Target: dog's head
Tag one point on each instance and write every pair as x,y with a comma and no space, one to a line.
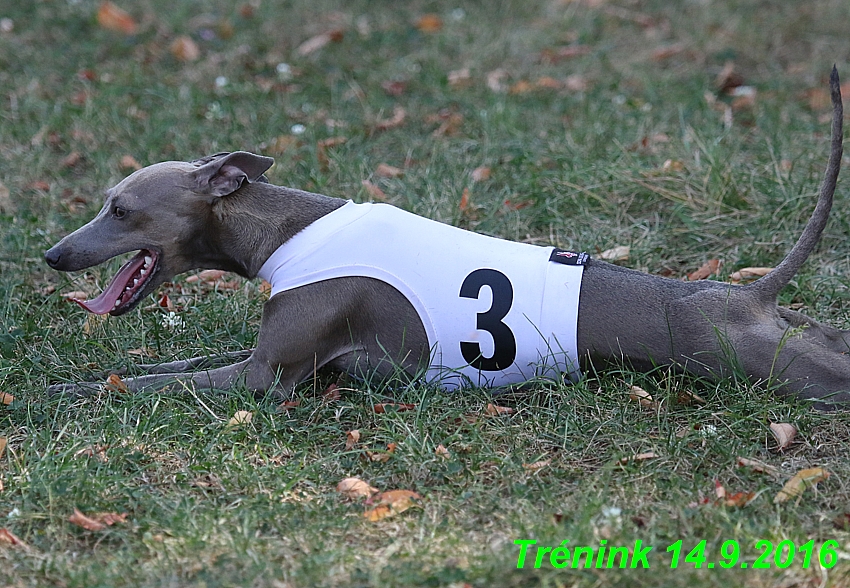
164,213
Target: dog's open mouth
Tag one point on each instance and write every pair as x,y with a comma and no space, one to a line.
126,287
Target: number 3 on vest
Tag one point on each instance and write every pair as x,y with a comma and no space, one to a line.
504,342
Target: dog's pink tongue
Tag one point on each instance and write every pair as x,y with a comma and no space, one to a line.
107,299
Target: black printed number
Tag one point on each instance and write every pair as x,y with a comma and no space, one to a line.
490,321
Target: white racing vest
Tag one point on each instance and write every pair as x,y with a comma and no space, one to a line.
495,312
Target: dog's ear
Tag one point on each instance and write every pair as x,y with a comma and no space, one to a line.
223,174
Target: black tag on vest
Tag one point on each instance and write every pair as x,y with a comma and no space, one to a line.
569,257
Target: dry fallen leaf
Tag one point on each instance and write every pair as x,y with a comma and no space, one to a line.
533,467
71,160
288,405
394,87
397,406
6,204
749,273
390,503
799,482
759,466
396,120
382,456
784,433
450,126
324,145
739,499
9,538
2,445
112,18
75,294
96,521
639,457
464,201
709,268
819,98
481,174
441,451
521,87
429,23
385,170
547,83
374,191
619,253
355,488
114,383
183,48
576,83
548,56
313,44
459,77
667,51
331,393
643,397
6,398
129,162
240,417
282,143
495,410
719,490
496,80
351,439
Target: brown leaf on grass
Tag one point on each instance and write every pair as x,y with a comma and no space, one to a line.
374,191
537,465
288,405
496,410
673,165
709,268
129,162
642,397
385,170
728,78
429,23
351,439
331,393
549,56
6,398
719,490
459,78
799,482
324,145
784,433
441,451
96,521
10,539
355,488
317,42
396,406
576,83
521,87
381,456
165,302
394,87
240,417
739,499
481,174
749,273
518,205
547,83
743,97
758,466
282,143
396,120
96,451
819,99
687,397
6,204
390,503
450,125
75,294
183,48
667,51
112,18
619,253
464,201
71,160
114,383
639,457
2,445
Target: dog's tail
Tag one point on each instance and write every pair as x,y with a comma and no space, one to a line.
767,288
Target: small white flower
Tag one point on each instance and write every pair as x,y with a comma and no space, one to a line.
457,14
708,431
172,320
284,71
298,129
220,82
14,513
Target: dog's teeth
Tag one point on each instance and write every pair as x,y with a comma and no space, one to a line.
135,283
144,271
117,302
148,260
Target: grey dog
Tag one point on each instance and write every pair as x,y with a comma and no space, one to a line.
220,212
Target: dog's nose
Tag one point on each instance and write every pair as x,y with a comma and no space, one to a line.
52,256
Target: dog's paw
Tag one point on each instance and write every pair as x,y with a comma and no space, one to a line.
70,389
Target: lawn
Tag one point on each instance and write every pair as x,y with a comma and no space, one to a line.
686,131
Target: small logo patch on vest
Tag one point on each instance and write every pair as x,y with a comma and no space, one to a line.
569,257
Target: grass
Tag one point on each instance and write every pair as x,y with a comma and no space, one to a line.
212,505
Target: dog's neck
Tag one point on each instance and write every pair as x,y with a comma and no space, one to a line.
256,219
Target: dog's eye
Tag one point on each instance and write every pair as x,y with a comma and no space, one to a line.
119,212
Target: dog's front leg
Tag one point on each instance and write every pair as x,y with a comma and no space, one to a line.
257,377
195,363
